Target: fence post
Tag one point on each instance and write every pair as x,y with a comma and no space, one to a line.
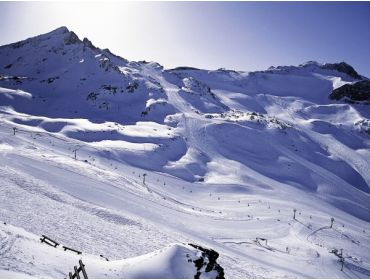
144,175
83,269
76,272
332,221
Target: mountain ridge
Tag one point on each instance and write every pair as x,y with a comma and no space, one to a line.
72,38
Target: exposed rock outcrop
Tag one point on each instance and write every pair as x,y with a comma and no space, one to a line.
207,262
71,38
344,68
352,93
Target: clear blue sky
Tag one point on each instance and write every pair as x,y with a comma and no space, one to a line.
235,35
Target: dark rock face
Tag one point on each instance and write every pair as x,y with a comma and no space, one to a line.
357,92
87,43
344,68
208,262
71,38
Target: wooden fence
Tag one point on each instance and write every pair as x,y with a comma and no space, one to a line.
78,270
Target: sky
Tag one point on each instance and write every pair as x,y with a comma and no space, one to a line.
234,35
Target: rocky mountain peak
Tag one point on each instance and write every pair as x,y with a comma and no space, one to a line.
71,38
311,63
59,30
344,68
88,43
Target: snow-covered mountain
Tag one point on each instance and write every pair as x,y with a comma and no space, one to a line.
121,159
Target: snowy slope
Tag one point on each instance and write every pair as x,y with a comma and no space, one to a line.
227,155
38,260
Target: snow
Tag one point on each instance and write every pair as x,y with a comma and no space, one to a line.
5,147
227,156
11,93
168,262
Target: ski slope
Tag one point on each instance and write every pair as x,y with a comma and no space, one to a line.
133,162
